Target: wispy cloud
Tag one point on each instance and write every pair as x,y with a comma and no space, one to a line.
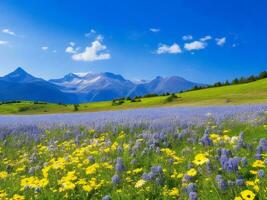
220,41
196,45
169,49
3,42
72,44
187,37
70,49
44,48
206,38
154,30
9,32
91,32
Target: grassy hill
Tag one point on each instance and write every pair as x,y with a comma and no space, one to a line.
249,93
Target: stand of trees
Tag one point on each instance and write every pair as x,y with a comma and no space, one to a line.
236,81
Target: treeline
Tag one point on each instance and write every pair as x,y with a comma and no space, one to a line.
9,102
236,81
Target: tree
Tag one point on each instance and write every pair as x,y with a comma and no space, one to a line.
76,107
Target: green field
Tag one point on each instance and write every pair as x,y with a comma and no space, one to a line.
249,93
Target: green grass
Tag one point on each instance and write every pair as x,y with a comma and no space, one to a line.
250,93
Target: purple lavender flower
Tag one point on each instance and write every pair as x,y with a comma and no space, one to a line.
218,178
261,173
240,181
259,149
156,169
244,162
107,197
193,196
186,178
232,164
258,156
119,165
148,176
222,185
115,179
205,140
208,166
192,187
224,162
263,144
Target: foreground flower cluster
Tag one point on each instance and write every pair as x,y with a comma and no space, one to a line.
213,161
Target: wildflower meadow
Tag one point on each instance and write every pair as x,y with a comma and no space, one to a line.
164,153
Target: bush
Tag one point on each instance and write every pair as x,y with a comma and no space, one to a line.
24,109
136,100
171,98
150,95
76,107
117,102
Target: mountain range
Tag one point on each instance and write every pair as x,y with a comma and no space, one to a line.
84,87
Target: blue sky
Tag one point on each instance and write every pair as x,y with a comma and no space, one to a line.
203,41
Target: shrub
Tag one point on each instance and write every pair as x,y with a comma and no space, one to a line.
76,107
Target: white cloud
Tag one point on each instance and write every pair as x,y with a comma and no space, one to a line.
154,30
187,37
92,53
70,50
2,42
172,49
196,45
72,44
91,32
220,41
7,31
44,48
206,38
99,38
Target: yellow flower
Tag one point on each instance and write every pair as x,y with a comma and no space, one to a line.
250,183
215,137
92,169
180,175
81,182
192,172
33,182
253,172
140,183
174,192
3,175
258,164
3,194
256,188
238,198
87,188
137,170
247,195
20,169
200,159
67,186
18,197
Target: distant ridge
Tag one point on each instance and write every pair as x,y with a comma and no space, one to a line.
85,87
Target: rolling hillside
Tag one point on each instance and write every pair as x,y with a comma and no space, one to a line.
250,93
